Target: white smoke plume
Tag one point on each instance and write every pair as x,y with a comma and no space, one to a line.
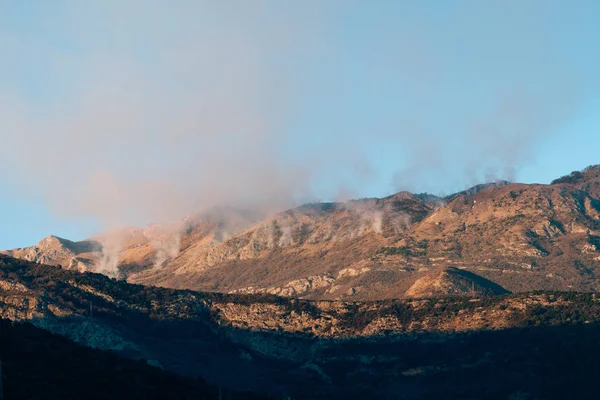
112,244
166,249
286,238
368,216
400,222
228,221
165,239
369,221
134,140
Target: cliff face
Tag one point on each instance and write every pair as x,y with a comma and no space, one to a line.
37,364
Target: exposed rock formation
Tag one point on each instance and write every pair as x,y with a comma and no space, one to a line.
52,250
453,281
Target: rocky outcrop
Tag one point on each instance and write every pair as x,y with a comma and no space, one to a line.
52,250
295,288
452,282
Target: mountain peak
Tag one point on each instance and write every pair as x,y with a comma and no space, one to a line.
404,195
590,173
482,186
53,241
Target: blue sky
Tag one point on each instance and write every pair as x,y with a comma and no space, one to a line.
116,113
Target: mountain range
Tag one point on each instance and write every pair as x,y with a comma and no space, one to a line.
486,293
520,237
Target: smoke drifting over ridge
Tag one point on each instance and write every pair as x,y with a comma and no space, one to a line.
144,113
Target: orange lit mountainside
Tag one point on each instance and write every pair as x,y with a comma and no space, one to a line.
489,239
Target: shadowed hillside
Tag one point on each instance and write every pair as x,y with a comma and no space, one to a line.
421,348
39,365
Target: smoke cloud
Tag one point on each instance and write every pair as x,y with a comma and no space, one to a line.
166,242
111,246
138,112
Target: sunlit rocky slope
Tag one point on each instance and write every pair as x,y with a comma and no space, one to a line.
520,237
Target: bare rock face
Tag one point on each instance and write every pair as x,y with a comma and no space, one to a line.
453,281
295,288
53,250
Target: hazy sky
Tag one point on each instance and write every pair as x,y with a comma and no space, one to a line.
138,111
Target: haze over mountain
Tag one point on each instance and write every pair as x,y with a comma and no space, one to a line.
520,237
119,114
